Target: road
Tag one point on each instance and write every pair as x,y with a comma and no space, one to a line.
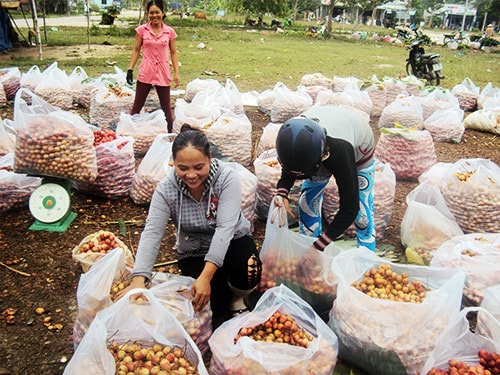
77,20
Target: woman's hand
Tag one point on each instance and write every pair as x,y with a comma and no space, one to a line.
280,203
200,291
176,80
137,282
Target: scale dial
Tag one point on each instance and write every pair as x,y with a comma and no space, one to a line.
49,203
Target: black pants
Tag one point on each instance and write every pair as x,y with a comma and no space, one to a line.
141,93
242,268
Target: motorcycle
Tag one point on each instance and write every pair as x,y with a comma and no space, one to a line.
424,65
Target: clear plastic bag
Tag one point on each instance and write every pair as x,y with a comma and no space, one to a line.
409,152
460,342
405,111
152,169
384,336
132,322
175,295
116,170
52,142
467,94
480,179
96,289
143,127
491,300
289,258
268,172
96,245
427,221
15,188
267,140
7,137
275,358
248,191
446,125
478,255
231,133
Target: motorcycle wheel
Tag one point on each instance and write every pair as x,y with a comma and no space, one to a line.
409,70
433,79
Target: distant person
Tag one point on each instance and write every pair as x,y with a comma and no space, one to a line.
490,31
329,141
157,41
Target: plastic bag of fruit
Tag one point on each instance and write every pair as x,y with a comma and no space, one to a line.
131,332
470,342
410,152
478,256
143,127
175,295
52,142
152,169
116,168
480,179
15,188
248,191
289,258
427,222
299,341
387,316
97,288
491,300
7,137
94,246
268,172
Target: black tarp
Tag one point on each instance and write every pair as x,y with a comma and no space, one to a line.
6,31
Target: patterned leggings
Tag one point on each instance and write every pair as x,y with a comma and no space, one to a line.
311,198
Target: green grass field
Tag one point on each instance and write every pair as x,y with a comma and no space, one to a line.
258,59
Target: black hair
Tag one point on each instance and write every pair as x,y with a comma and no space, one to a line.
158,3
189,136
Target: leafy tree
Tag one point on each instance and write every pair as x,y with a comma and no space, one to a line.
488,11
278,8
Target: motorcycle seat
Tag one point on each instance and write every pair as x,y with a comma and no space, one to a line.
429,55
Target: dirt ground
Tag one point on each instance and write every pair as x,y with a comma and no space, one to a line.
59,53
37,270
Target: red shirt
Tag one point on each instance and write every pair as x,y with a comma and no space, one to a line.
155,65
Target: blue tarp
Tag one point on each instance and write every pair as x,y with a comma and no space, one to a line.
5,26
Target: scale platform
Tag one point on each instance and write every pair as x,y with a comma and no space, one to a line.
50,205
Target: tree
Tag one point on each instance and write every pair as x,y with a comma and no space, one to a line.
431,7
488,11
278,8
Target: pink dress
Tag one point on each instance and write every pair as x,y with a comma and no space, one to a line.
155,65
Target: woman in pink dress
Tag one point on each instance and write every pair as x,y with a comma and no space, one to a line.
157,41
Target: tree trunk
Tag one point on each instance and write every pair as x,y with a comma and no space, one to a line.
330,16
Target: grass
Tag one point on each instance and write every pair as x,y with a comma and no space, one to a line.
257,60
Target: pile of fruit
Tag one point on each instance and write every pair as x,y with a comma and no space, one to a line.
96,245
103,243
384,283
281,328
103,136
489,364
158,359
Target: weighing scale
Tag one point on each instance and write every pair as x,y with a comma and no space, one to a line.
50,205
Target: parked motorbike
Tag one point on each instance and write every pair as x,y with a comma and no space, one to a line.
405,34
424,65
